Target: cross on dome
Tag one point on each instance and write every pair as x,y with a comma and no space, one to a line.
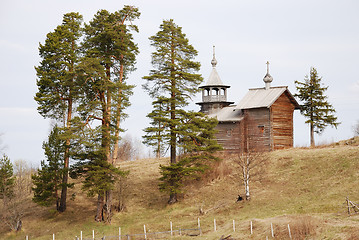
214,61
267,78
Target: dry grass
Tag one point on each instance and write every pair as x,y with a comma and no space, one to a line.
303,187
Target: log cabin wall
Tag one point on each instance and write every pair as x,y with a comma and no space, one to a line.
229,136
282,122
257,129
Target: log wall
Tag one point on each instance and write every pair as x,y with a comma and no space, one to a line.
257,129
282,123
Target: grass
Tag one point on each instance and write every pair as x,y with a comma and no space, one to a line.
303,187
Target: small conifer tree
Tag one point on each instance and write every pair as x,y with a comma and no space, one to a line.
318,111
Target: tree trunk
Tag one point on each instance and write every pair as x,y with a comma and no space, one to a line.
173,198
312,143
99,213
108,206
65,176
118,118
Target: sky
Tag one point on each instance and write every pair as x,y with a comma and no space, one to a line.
292,35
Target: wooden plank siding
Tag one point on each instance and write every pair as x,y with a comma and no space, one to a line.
282,122
257,124
229,136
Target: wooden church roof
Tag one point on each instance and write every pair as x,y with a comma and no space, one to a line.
264,98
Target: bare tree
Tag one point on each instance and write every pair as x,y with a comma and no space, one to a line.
121,192
129,149
14,210
252,168
356,129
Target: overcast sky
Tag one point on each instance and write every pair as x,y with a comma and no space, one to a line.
291,35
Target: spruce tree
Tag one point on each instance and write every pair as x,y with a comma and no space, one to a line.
109,57
197,143
48,180
7,180
155,134
318,111
172,83
57,87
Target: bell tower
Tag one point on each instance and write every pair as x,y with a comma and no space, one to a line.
214,92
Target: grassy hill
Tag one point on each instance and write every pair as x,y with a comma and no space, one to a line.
303,187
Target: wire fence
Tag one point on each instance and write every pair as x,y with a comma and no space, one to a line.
149,235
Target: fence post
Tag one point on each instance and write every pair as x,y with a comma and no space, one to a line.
53,236
199,227
251,228
27,237
144,229
234,226
171,228
290,235
81,235
119,233
93,234
271,229
215,226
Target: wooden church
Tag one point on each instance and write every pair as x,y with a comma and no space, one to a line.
261,121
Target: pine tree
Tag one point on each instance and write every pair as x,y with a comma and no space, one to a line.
172,83
109,58
318,111
48,180
7,180
57,87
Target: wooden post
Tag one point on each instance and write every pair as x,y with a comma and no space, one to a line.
234,226
251,228
199,227
290,235
119,233
215,226
81,235
171,228
93,234
347,199
144,229
53,236
271,229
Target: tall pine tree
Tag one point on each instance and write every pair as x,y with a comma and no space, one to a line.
57,88
172,83
318,111
109,57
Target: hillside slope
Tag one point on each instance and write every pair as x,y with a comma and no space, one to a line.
303,187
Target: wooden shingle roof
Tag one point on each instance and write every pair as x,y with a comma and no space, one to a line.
264,98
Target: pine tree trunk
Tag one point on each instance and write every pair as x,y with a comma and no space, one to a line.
65,176
312,143
118,118
99,212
